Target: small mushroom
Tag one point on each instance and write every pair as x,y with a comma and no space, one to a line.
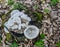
31,32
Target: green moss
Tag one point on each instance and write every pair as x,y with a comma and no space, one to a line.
4,17
46,10
10,2
42,36
38,15
54,2
19,6
35,7
14,44
8,36
58,44
39,43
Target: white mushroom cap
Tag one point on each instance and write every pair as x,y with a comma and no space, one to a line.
31,32
15,21
14,12
6,30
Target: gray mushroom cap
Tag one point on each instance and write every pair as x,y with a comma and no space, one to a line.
17,21
31,32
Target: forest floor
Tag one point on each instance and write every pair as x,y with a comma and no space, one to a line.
48,23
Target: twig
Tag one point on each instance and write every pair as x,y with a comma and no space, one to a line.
3,39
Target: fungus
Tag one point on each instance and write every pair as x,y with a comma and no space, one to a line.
16,21
31,32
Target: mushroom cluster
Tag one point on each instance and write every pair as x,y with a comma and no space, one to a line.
19,21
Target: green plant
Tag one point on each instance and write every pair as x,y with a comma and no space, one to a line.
14,44
38,15
54,2
58,44
19,6
10,2
35,7
42,36
8,36
58,0
39,43
46,10
4,18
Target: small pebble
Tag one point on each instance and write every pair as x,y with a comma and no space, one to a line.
47,1
58,18
0,6
58,5
59,14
